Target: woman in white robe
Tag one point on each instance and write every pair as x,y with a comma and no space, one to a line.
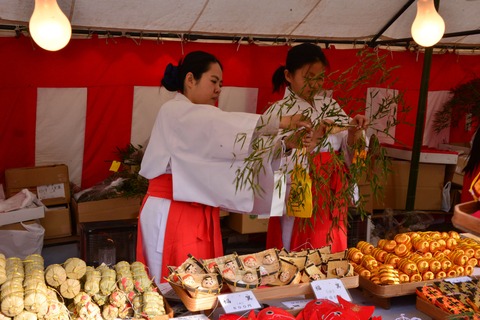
303,77
191,161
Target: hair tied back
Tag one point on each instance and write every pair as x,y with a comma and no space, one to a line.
170,78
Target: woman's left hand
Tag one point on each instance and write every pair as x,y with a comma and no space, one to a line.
360,122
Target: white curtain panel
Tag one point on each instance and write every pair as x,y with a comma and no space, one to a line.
376,97
146,103
60,128
238,99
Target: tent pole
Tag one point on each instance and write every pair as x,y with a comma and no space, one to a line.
419,127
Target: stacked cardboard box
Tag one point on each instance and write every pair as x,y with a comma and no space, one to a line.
51,184
245,223
428,195
455,171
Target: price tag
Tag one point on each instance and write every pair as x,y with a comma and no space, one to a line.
330,289
458,279
51,191
238,301
194,317
297,304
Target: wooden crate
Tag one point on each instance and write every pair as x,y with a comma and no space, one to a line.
265,293
431,310
462,217
392,290
382,294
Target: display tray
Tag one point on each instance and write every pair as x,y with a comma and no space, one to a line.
264,293
392,290
431,310
462,217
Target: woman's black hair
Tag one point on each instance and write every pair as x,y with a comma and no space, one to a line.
196,62
474,157
297,57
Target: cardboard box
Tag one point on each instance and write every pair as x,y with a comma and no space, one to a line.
107,210
51,184
458,174
21,215
57,222
428,195
366,192
245,223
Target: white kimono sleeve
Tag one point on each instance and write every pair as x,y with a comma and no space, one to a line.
206,147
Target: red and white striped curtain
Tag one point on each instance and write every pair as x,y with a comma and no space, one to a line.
78,105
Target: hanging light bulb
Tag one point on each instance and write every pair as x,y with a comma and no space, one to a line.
428,26
49,27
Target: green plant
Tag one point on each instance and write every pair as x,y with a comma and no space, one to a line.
133,184
465,99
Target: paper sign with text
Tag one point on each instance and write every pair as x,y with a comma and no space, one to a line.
238,301
51,191
330,289
296,304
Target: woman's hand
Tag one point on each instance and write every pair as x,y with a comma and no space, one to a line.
318,132
360,123
299,139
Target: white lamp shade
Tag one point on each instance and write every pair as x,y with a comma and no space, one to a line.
49,27
428,27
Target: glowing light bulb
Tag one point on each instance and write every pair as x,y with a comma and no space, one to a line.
49,26
428,26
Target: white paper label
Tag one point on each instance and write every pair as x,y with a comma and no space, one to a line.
330,289
458,279
51,191
296,304
238,301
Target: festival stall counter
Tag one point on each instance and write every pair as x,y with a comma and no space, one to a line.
270,275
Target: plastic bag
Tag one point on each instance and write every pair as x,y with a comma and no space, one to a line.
446,204
21,243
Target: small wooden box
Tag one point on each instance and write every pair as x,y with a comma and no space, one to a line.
107,209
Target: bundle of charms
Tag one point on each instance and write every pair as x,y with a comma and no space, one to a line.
271,267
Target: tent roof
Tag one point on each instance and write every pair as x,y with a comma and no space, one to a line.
371,22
